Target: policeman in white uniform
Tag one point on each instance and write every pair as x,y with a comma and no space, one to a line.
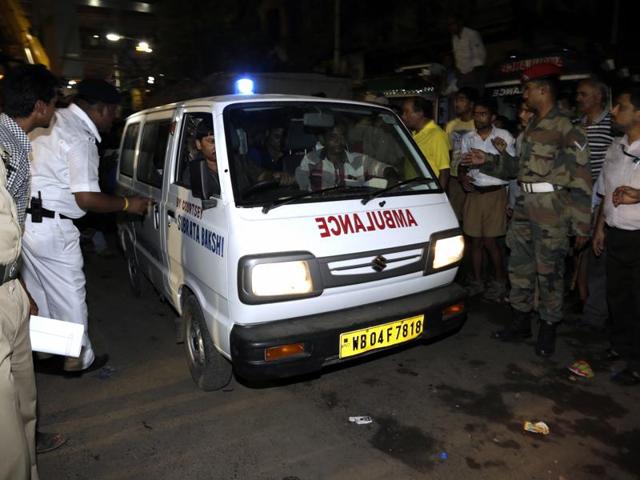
64,187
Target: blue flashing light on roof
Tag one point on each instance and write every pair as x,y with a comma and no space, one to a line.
244,86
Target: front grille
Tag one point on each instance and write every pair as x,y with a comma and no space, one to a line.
362,267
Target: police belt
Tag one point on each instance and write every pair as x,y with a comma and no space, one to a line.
539,187
10,271
49,214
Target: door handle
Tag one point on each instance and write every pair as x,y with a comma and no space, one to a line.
156,216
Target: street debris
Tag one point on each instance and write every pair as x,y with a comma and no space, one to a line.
538,427
362,420
443,456
581,368
106,372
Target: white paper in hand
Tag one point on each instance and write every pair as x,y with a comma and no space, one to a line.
55,336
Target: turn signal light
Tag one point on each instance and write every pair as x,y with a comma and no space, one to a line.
283,351
454,309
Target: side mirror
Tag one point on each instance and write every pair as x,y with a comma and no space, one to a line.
200,187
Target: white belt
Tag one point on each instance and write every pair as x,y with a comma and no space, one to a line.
539,187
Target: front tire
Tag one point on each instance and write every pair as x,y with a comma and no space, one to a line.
133,272
209,369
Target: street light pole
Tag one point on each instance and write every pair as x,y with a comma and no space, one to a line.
116,71
141,46
336,36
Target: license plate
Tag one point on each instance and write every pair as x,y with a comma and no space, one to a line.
380,336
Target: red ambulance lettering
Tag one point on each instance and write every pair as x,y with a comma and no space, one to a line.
345,223
388,217
358,223
348,223
336,229
322,226
371,225
398,216
410,220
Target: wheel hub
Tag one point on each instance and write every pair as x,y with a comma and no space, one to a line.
196,343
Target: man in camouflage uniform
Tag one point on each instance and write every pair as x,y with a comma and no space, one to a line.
555,202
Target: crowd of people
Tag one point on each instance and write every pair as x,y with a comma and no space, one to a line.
527,200
547,207
554,208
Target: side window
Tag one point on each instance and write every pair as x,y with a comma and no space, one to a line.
188,150
153,147
129,149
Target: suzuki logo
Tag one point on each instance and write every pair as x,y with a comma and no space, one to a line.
379,263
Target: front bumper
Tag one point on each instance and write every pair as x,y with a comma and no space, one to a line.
321,333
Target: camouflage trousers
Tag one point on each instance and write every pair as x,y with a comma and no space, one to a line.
539,242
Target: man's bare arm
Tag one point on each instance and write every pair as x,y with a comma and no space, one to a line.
103,203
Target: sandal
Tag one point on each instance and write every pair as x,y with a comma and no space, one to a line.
46,442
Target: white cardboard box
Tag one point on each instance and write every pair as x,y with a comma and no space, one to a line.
55,336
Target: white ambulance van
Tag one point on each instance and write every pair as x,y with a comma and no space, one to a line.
289,233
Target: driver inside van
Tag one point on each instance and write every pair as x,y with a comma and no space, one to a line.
334,165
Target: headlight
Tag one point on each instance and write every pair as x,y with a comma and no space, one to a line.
445,250
448,251
275,278
284,278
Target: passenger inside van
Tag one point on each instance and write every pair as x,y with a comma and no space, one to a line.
373,137
269,155
298,142
206,151
334,165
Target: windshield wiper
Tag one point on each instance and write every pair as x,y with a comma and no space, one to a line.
404,183
316,193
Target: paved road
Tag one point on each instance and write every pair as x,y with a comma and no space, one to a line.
465,395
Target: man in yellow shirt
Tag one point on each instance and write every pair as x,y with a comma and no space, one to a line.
417,115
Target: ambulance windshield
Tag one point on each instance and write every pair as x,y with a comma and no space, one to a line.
280,151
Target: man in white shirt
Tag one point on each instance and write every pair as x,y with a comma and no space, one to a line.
64,186
333,165
469,54
484,216
619,224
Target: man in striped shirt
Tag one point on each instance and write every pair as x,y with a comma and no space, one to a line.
591,97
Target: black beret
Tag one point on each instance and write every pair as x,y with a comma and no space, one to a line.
96,90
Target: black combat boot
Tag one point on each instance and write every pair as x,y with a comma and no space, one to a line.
546,343
518,330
